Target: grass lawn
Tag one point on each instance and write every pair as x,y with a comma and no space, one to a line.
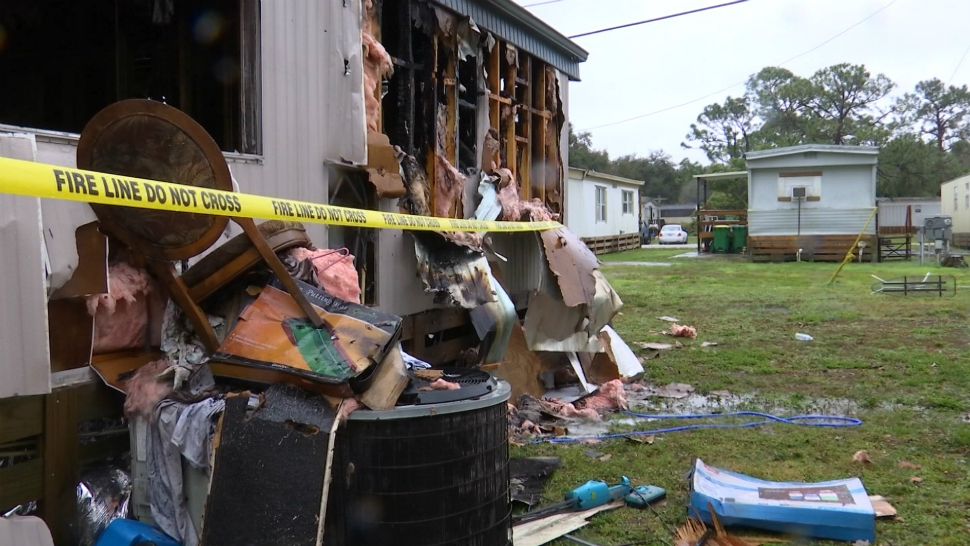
649,254
901,365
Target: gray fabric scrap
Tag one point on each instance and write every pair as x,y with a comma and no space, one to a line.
178,430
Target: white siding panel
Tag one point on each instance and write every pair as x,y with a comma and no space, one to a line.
813,222
312,107
893,213
959,210
25,368
526,267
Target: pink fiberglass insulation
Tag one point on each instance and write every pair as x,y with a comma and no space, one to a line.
567,409
377,65
610,396
514,209
448,186
468,239
146,389
682,330
348,406
335,271
121,316
443,385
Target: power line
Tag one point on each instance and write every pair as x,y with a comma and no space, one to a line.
958,65
655,112
540,3
627,25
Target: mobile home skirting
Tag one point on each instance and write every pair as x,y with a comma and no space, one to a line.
814,221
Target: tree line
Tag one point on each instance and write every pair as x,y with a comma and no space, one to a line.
923,135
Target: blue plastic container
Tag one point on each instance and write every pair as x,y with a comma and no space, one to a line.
129,532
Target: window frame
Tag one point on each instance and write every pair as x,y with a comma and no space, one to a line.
628,207
599,206
241,127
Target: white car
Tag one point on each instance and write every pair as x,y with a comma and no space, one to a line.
672,234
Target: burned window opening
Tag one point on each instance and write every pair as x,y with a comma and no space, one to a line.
468,92
433,108
195,56
350,188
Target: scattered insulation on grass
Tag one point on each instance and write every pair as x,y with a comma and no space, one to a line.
610,396
682,330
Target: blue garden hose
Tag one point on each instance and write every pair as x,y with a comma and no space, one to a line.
832,421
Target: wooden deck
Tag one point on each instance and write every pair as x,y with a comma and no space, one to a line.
815,248
613,243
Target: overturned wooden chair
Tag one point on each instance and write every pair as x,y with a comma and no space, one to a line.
149,139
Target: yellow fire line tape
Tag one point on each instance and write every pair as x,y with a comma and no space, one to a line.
31,179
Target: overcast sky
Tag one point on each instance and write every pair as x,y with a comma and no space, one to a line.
643,69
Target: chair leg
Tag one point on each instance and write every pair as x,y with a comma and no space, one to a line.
274,263
180,293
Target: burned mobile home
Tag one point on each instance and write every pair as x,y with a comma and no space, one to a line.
310,99
130,330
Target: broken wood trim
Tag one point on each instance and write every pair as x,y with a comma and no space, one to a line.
544,115
499,98
511,157
250,88
523,121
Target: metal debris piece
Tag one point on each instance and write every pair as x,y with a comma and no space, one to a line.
573,264
455,274
493,322
917,286
653,346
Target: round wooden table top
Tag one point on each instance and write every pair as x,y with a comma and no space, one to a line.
149,139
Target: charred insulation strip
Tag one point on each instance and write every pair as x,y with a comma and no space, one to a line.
455,274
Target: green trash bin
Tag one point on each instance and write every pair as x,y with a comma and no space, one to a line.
722,239
739,238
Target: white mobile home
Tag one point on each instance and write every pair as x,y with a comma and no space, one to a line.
899,215
602,205
814,198
955,203
372,105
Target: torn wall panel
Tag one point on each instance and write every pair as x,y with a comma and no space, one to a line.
383,168
455,274
551,325
573,264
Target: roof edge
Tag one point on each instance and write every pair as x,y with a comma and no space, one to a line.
529,19
829,148
588,174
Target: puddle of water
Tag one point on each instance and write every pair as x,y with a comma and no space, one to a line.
648,264
643,399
